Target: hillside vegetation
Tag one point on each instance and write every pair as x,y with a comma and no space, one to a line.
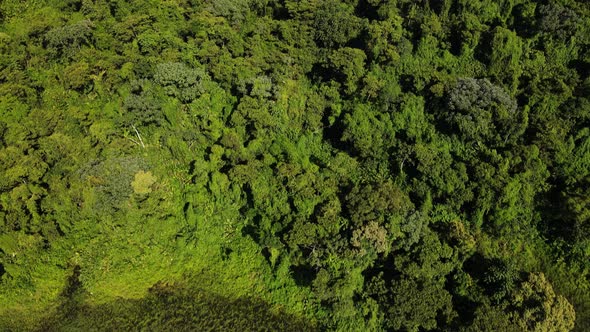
295,165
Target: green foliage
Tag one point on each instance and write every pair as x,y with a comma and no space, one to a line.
110,182
557,20
335,24
142,106
540,309
69,38
233,11
173,307
411,305
180,81
483,112
295,165
350,63
142,182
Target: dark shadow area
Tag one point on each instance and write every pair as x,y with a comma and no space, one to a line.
581,67
192,166
461,303
407,84
303,275
476,265
175,308
557,219
252,232
267,255
359,42
186,208
483,49
333,135
523,25
456,41
71,6
496,276
384,268
437,6
280,13
366,10
321,73
226,253
73,284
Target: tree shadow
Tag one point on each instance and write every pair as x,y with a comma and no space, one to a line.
169,307
303,275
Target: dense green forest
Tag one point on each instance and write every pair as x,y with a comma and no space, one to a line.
295,165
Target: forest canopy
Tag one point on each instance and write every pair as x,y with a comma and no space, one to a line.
295,165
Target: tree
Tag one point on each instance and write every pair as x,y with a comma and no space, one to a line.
483,112
379,202
410,305
504,60
557,20
335,24
350,64
143,182
368,131
68,39
366,165
142,106
538,308
180,81
233,10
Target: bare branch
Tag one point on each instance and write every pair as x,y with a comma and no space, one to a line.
138,136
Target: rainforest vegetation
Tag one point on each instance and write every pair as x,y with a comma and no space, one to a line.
295,165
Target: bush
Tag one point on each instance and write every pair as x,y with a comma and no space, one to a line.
483,112
142,106
335,24
69,38
180,81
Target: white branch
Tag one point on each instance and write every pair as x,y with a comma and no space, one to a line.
138,136
132,140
